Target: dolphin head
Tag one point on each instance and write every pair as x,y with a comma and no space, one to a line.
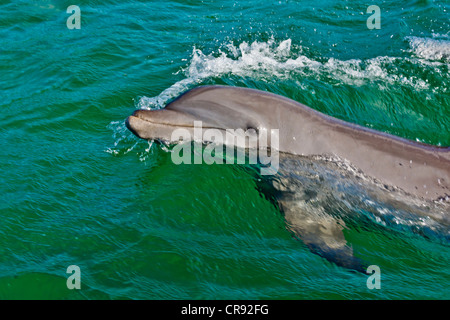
219,110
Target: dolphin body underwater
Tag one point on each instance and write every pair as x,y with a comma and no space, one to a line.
368,164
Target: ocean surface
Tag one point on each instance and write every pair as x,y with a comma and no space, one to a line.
77,188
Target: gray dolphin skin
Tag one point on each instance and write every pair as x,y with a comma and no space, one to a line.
417,169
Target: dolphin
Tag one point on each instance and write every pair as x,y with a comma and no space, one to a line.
413,168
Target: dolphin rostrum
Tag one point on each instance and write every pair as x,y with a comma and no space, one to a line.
417,169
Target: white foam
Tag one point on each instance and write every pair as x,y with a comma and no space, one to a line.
283,60
158,102
436,48
255,60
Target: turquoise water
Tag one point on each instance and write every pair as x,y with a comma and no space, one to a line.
79,189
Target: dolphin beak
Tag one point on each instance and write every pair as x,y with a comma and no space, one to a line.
147,124
158,124
130,123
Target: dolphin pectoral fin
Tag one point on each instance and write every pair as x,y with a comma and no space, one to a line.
321,233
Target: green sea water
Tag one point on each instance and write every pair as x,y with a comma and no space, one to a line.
77,188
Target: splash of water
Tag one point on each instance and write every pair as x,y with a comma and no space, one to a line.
286,61
436,48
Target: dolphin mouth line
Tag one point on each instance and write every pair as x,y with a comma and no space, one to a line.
173,125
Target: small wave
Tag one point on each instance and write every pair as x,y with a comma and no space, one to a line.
159,102
286,61
436,48
243,60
